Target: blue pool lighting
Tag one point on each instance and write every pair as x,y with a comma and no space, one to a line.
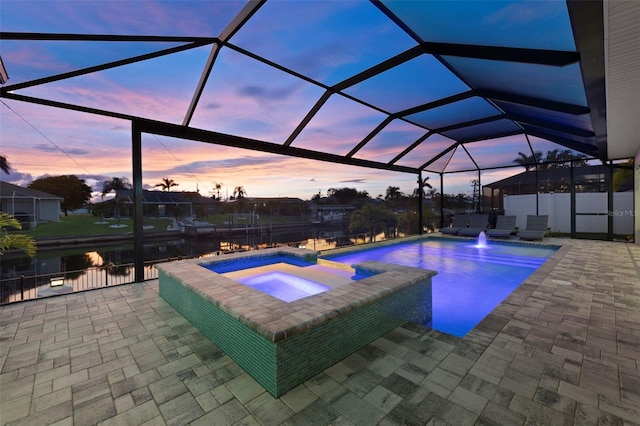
271,275
255,262
471,280
283,286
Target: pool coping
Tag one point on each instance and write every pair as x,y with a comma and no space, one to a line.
275,319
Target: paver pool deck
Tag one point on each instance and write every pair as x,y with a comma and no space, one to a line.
563,348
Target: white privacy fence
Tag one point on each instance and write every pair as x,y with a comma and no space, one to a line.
558,207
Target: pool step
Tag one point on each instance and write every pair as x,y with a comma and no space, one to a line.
484,255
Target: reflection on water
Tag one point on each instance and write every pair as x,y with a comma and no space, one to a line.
108,264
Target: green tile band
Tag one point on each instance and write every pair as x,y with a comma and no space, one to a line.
281,366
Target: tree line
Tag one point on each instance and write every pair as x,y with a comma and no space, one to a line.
554,159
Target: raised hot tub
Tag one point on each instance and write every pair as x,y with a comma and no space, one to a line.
282,344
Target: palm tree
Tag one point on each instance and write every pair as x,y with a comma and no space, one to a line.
425,185
115,184
118,205
528,161
99,210
166,184
371,218
14,241
553,156
239,192
218,186
567,156
393,193
4,164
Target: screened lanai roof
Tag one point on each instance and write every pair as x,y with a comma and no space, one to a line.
434,86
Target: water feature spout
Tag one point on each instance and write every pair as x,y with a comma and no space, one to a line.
482,240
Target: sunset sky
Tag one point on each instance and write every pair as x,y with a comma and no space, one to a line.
248,99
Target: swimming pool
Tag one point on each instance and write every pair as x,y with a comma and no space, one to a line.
471,281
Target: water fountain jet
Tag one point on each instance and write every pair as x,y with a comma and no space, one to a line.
482,240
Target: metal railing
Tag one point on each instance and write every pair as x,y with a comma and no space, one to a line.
29,287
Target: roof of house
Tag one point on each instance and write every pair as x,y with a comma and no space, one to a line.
273,199
9,190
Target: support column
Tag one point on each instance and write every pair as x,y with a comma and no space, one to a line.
537,192
573,202
479,209
610,206
420,203
138,229
441,201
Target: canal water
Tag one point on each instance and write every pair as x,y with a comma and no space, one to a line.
100,265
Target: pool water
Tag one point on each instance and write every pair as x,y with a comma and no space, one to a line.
254,262
471,280
286,287
287,278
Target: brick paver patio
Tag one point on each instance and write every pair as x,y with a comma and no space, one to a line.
563,349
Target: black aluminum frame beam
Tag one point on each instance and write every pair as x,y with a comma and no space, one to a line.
557,58
337,88
438,103
532,101
439,156
370,136
493,136
243,16
138,217
587,21
307,118
470,157
411,147
64,105
199,135
399,59
476,122
35,36
583,133
510,166
106,66
589,150
510,54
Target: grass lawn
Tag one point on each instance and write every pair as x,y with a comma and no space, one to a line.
81,225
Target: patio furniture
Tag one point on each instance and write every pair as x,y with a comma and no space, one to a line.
459,222
478,224
505,226
536,229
